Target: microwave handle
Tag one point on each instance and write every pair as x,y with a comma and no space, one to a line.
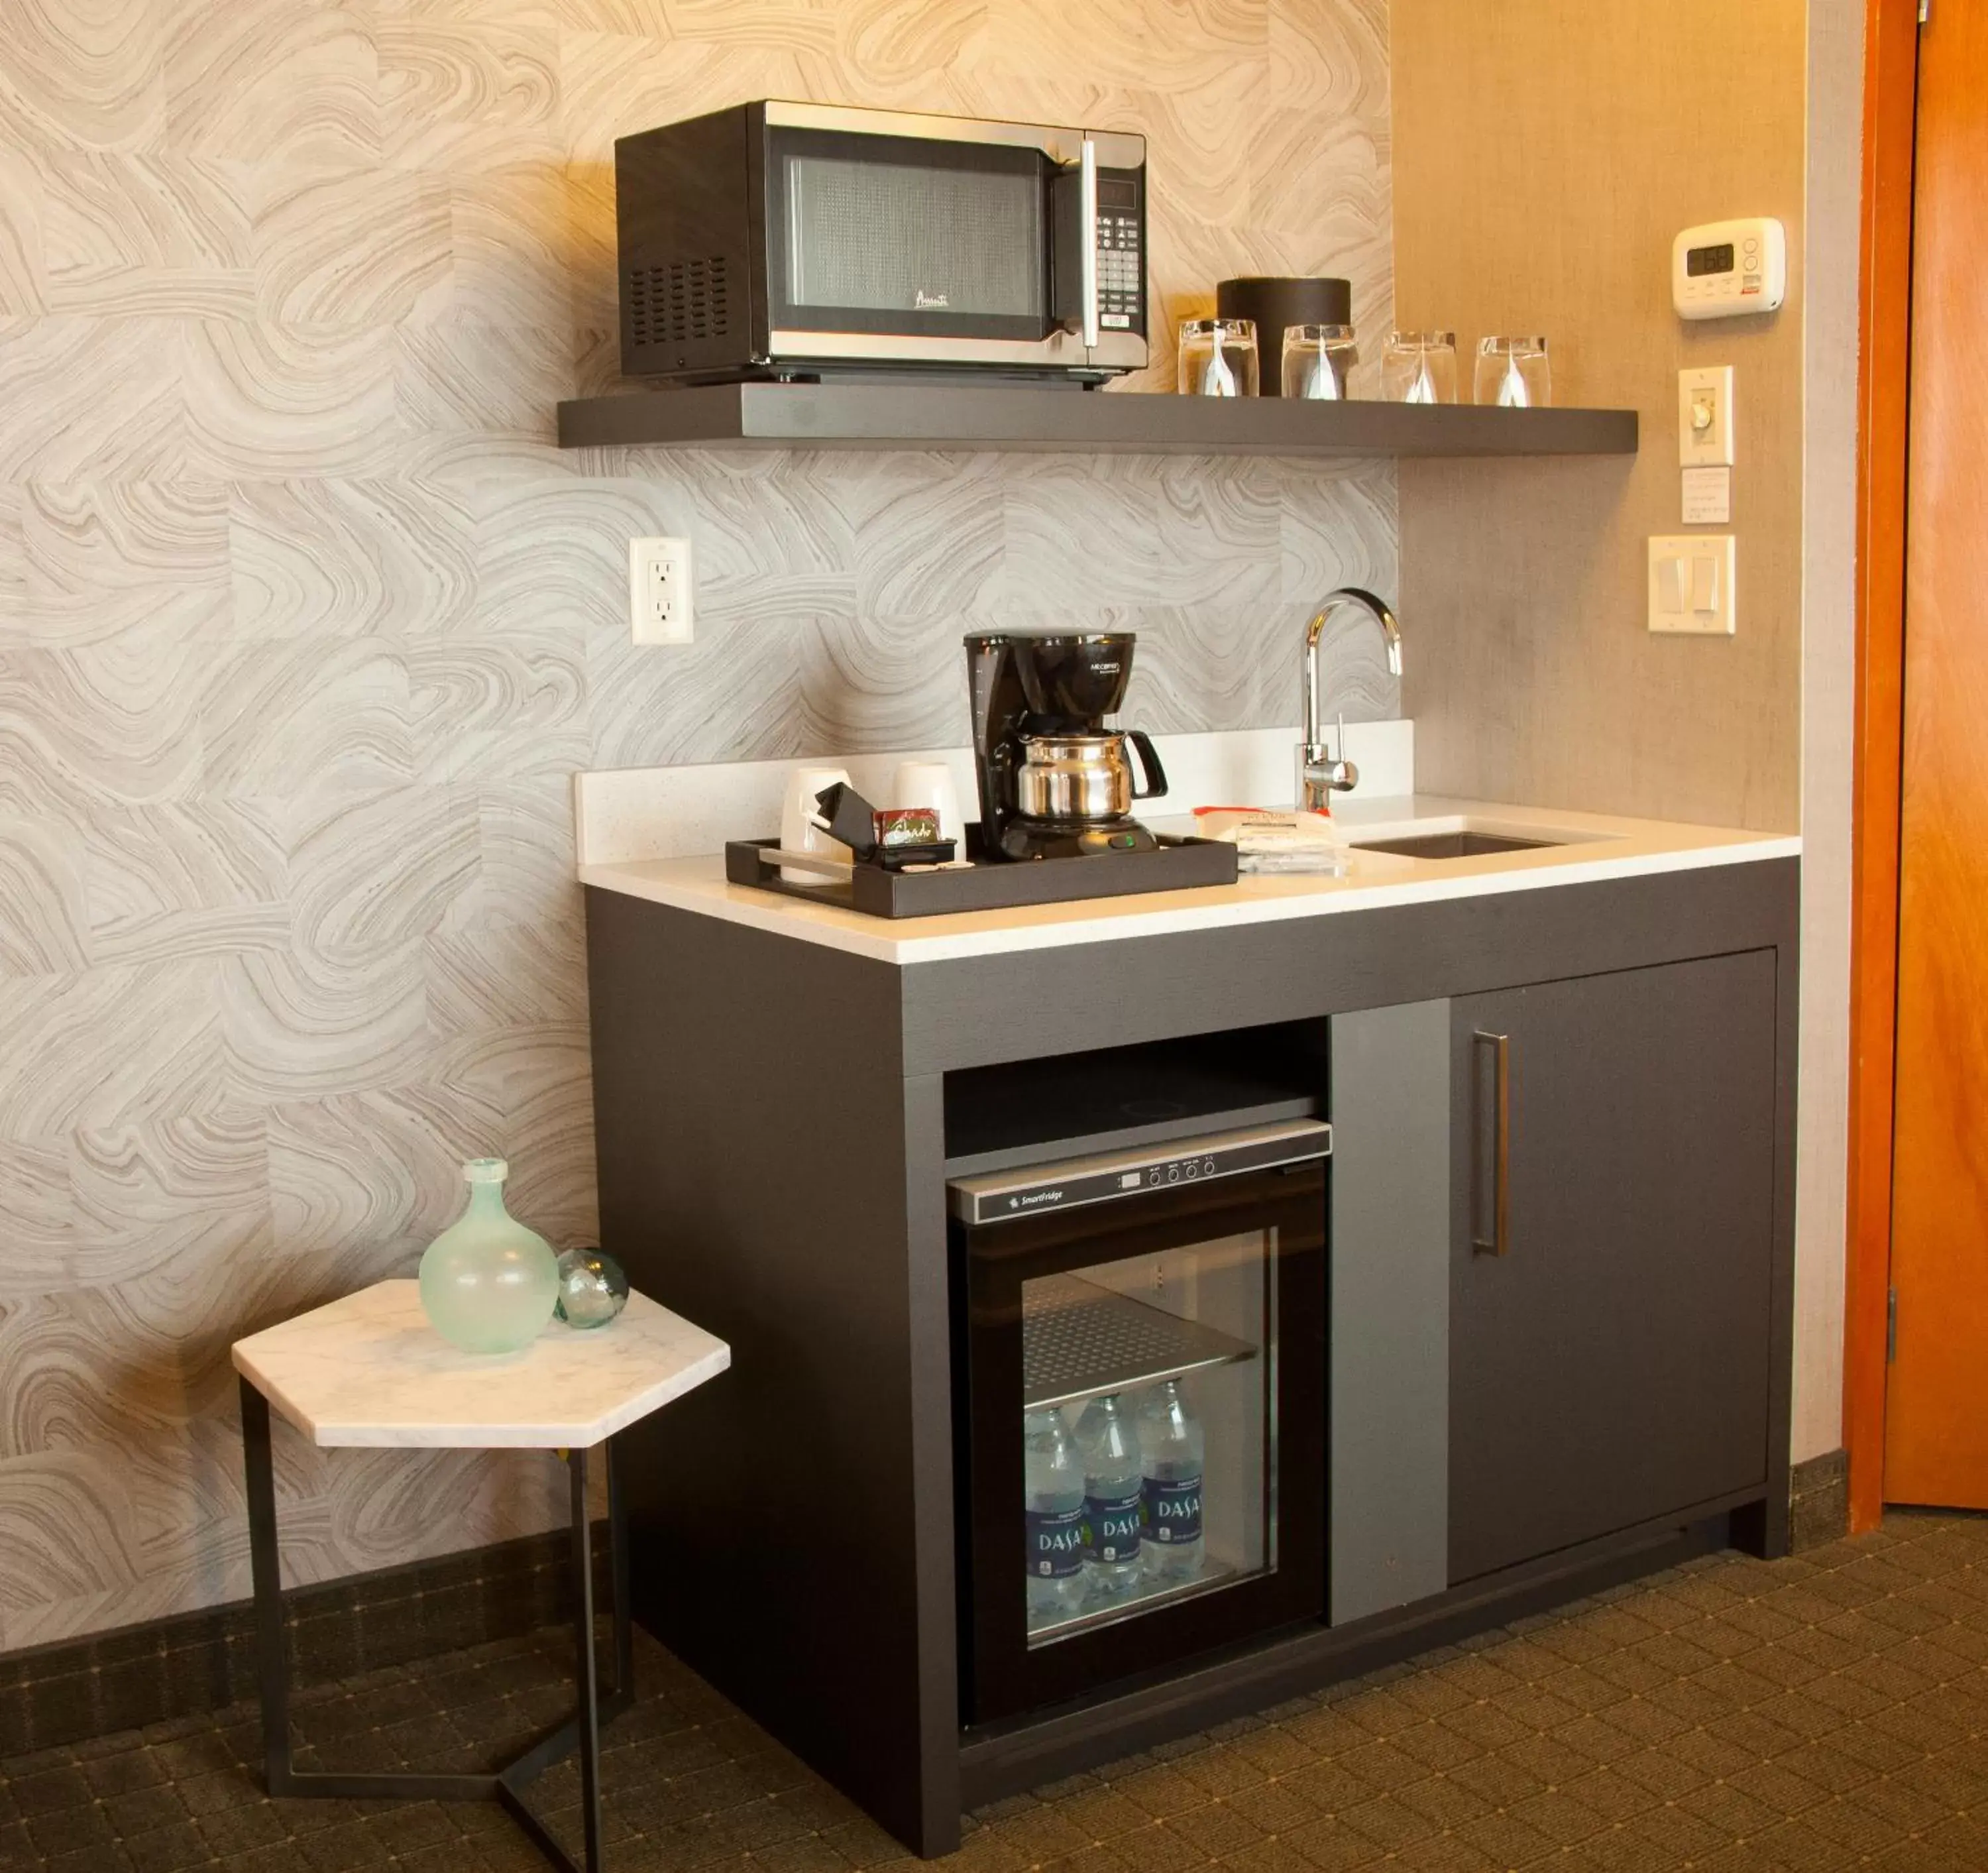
1087,235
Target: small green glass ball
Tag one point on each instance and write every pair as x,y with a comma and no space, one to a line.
592,1289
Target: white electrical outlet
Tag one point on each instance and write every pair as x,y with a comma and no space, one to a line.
659,591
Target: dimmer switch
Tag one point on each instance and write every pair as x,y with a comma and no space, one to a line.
1705,416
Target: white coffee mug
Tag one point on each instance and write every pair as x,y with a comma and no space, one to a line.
930,784
801,828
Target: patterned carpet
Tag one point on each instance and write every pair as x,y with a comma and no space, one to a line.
1825,1711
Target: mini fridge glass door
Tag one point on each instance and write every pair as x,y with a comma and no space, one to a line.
1142,1433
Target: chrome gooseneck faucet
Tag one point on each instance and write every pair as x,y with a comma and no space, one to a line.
1323,771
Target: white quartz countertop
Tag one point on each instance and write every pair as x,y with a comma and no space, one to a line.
1599,846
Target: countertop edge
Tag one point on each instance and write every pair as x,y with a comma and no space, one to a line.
704,892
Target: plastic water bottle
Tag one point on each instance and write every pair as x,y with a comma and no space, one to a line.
1053,1515
1114,1499
1173,1446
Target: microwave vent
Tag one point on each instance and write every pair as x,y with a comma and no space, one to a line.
677,304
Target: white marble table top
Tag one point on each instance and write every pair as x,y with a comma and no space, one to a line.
369,1370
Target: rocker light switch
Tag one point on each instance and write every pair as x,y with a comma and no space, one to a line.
1705,585
1691,584
1670,585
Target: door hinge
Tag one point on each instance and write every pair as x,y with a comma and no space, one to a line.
1891,1326
1925,11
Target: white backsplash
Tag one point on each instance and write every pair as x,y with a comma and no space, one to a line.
625,816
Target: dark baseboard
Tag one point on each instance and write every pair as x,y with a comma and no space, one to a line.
197,1662
1819,1500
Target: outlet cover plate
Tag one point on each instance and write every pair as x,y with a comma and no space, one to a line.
659,591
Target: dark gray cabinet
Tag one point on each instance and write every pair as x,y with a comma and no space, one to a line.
773,1147
1609,1342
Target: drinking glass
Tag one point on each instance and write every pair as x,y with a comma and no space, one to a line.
1218,357
1512,373
1316,361
1420,368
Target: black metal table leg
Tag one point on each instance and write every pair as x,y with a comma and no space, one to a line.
265,1574
617,1553
581,1731
587,1684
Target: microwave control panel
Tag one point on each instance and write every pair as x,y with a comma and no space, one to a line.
1121,254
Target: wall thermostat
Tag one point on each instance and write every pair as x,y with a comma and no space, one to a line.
1729,269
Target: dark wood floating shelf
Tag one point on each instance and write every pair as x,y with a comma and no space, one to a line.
946,416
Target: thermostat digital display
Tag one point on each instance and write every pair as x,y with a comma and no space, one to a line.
1729,269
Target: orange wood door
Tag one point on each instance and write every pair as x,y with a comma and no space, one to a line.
1937,1417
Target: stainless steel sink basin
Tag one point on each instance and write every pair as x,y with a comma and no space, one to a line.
1451,845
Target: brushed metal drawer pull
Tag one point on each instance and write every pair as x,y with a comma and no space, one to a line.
1501,1169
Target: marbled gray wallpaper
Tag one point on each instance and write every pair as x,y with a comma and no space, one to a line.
304,625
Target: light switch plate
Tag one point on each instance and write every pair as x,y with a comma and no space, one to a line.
1705,416
1691,588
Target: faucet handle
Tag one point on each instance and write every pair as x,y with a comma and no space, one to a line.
1344,776
1324,770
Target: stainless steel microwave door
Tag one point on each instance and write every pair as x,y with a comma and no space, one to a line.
892,237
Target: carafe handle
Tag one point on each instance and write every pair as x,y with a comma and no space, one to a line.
1150,771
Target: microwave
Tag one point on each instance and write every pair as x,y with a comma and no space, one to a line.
781,240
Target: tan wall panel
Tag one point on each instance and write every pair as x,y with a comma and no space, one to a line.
1546,153
1829,631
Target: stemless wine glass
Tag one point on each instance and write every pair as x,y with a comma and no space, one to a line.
1316,361
1420,368
1512,373
1218,357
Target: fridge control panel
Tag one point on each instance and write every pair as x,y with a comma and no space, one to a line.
1000,1196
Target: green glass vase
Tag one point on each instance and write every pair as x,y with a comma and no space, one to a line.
488,1282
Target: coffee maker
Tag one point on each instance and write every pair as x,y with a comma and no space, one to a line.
1054,781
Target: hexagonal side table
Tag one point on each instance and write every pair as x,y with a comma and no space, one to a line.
369,1370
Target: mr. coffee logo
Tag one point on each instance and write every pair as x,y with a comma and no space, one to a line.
1173,1510
1055,1543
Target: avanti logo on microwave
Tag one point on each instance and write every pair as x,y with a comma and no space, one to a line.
923,301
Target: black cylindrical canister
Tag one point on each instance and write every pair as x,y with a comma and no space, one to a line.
1275,303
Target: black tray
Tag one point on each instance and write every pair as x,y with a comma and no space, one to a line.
1179,864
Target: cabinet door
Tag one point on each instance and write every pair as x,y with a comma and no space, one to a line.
1609,1366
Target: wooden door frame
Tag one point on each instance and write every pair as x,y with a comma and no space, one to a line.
1891,83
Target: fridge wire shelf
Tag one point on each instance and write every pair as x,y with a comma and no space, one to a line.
1080,1340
